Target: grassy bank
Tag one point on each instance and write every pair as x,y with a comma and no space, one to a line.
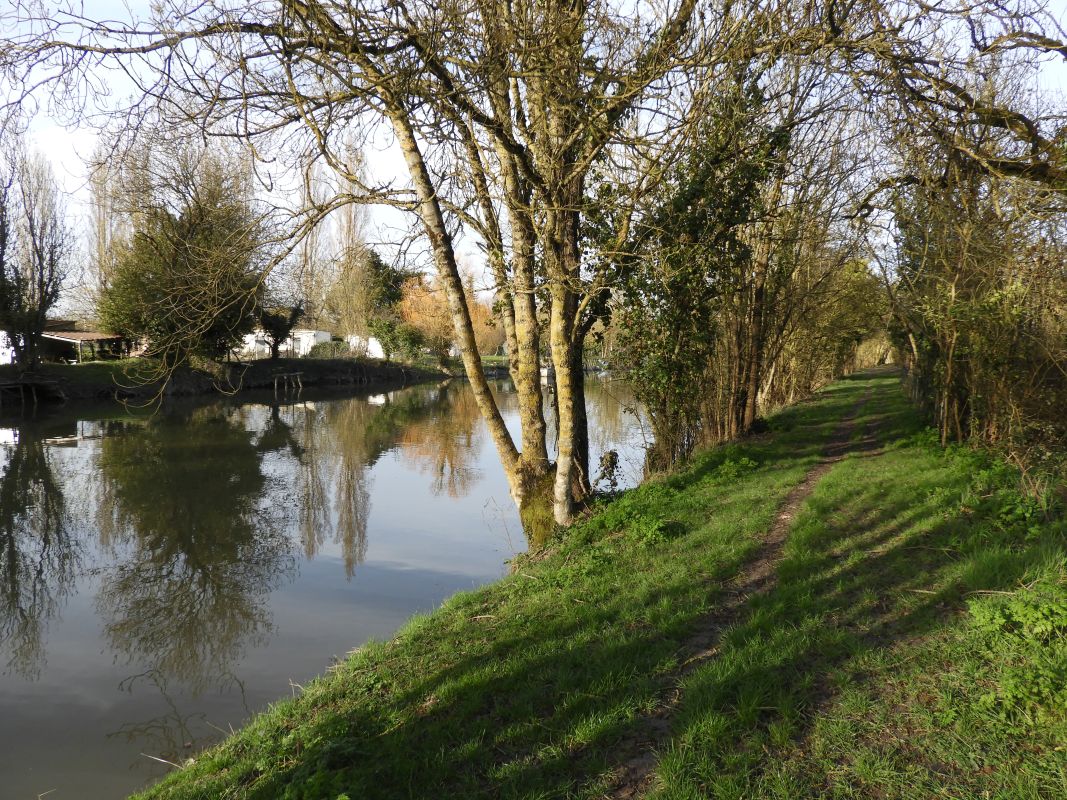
893,655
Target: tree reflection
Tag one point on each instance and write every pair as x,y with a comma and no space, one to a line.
443,441
187,494
177,732
334,445
611,411
347,425
38,554
277,434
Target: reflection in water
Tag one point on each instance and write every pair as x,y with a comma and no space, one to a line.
38,555
333,445
181,533
184,496
441,442
172,734
347,425
614,418
316,524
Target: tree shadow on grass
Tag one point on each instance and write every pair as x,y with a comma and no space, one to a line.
882,555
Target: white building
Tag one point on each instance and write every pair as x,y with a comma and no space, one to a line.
255,345
298,345
7,352
366,346
301,340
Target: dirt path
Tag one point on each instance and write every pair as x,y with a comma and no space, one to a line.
639,752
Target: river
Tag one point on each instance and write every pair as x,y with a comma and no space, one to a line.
165,576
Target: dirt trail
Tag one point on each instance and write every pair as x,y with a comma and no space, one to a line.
639,752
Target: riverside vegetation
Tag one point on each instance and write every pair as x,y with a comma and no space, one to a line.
907,641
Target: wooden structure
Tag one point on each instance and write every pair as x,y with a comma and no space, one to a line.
290,381
74,346
29,389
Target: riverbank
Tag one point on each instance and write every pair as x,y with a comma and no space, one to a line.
837,608
134,379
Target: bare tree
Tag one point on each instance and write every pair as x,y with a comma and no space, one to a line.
35,251
108,228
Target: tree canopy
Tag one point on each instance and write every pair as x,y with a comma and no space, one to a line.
187,280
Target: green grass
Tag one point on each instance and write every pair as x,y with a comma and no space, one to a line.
882,665
102,373
871,669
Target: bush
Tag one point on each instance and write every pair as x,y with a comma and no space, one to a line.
1025,635
334,349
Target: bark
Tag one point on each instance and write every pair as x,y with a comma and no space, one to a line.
525,363
754,365
524,352
563,257
560,339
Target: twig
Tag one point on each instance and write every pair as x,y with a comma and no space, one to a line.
162,760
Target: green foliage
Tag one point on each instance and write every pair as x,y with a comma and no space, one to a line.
410,341
385,282
654,532
332,349
676,285
1028,616
398,338
366,295
979,314
730,470
278,323
188,278
1026,636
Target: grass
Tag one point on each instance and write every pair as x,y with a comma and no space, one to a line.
102,373
891,658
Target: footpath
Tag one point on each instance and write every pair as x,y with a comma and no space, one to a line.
837,608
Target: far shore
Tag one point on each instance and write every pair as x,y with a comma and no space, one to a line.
133,379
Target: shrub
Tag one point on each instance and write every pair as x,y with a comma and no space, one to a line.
334,349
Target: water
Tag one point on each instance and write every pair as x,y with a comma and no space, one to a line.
162,578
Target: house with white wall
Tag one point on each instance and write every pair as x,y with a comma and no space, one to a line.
366,346
301,340
298,345
7,352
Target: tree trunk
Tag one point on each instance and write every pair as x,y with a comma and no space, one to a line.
563,260
560,339
448,273
582,481
525,361
756,316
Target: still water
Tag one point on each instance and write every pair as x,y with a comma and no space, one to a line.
164,577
